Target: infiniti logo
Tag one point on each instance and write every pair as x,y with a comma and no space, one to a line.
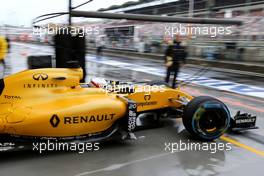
40,76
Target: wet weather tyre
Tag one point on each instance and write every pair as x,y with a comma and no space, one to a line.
206,118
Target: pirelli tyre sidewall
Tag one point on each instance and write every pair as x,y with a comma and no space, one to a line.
206,118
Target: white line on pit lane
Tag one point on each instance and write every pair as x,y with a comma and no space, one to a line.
118,166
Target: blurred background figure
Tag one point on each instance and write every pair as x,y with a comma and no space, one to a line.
141,45
3,53
175,57
8,68
8,44
100,46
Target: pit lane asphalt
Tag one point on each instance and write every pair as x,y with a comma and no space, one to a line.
147,155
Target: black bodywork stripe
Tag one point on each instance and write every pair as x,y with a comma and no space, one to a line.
2,86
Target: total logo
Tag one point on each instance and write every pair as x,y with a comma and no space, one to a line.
12,97
40,76
55,120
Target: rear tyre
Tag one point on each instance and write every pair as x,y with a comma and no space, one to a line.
206,118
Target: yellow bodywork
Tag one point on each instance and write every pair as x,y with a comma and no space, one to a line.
51,103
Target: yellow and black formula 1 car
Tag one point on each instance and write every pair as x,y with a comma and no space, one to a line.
52,104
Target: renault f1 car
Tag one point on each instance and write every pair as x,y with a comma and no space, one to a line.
52,104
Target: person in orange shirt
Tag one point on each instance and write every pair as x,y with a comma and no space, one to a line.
3,50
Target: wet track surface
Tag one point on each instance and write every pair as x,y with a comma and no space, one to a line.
148,155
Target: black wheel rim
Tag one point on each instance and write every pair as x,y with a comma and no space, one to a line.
211,122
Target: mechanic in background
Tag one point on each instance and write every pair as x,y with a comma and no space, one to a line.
3,51
8,44
175,56
100,46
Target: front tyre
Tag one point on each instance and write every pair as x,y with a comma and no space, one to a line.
206,118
